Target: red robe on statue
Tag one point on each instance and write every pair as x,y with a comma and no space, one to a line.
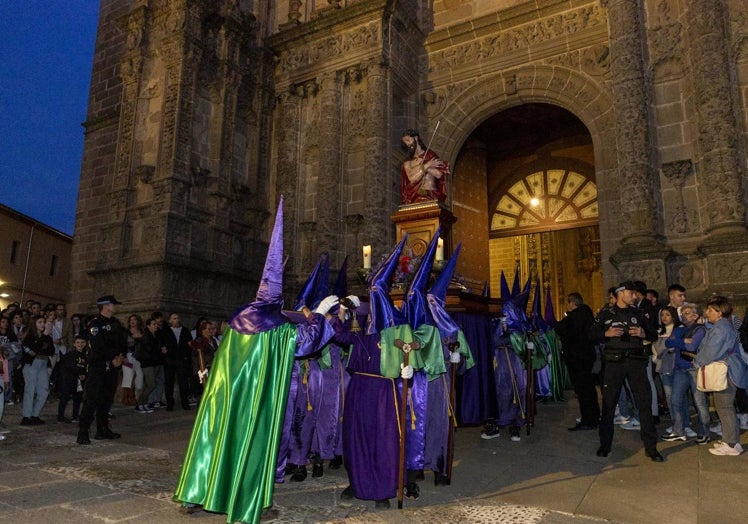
415,186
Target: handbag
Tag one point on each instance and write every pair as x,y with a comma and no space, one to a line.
712,377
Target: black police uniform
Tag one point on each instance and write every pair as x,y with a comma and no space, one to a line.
625,357
106,339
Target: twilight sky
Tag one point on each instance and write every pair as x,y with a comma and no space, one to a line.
46,52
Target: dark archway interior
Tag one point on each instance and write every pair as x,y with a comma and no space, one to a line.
523,130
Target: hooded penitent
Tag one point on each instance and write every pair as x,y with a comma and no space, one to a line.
229,462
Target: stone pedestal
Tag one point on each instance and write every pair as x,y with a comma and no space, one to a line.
420,221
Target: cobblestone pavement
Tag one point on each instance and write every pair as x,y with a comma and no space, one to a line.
551,476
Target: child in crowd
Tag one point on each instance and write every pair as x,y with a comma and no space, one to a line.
72,379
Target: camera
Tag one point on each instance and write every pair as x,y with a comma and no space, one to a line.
347,302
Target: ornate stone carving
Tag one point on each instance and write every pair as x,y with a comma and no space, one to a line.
631,105
294,16
330,47
729,268
595,60
664,35
677,172
199,176
719,164
356,114
561,25
144,174
691,275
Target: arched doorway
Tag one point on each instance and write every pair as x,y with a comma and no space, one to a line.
526,194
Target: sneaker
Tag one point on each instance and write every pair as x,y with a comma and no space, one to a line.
690,433
142,409
631,425
514,432
669,429
717,428
726,449
618,419
2,437
702,439
490,431
9,402
672,437
36,421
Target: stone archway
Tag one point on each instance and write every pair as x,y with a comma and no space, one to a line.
579,94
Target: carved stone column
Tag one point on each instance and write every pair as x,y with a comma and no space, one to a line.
378,203
287,165
631,103
718,159
328,179
116,230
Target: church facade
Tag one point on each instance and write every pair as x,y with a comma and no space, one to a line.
202,113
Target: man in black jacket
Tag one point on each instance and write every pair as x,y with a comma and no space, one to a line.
176,339
107,342
624,329
579,356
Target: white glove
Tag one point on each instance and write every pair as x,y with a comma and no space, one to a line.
454,357
326,304
202,375
406,372
353,300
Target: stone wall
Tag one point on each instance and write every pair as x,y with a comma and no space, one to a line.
197,123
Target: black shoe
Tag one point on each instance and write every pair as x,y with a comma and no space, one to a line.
441,480
106,434
64,420
26,421
317,470
347,494
412,491
83,438
581,427
420,475
382,504
336,462
602,452
290,468
299,475
655,456
36,421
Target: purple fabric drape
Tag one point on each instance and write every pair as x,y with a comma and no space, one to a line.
476,398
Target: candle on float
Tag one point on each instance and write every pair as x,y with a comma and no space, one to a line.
439,249
367,257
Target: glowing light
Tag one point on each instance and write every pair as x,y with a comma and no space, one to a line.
534,202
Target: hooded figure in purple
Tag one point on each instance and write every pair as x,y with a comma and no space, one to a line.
229,466
456,353
305,392
371,438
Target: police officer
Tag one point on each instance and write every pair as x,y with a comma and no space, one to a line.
107,341
623,328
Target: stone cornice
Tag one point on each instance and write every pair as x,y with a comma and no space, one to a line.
498,42
289,36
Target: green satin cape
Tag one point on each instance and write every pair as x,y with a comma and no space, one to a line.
230,462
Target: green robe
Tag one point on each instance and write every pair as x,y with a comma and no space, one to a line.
230,462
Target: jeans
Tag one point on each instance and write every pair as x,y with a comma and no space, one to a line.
724,401
667,386
683,380
37,387
623,402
